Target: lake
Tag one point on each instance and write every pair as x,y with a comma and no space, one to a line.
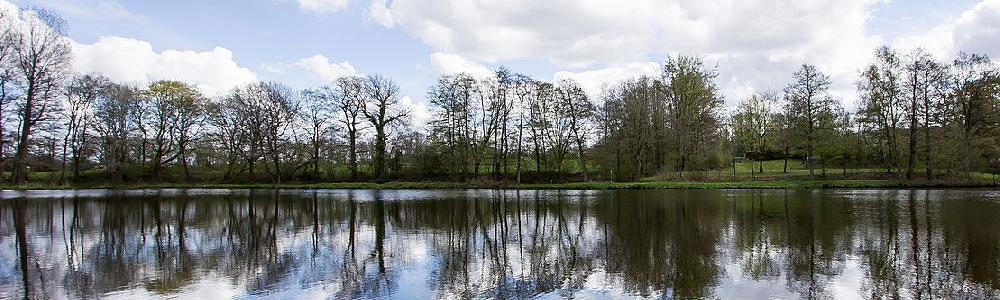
500,244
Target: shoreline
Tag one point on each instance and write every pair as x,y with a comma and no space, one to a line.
593,185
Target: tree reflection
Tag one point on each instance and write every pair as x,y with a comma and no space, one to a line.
502,244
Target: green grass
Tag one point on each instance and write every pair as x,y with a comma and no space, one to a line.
772,178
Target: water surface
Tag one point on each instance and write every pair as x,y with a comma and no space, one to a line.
365,244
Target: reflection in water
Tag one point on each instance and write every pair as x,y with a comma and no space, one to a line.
810,244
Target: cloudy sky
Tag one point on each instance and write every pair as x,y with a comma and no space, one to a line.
756,44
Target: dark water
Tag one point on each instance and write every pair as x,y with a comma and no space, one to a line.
337,244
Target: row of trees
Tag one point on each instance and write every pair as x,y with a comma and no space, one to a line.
915,112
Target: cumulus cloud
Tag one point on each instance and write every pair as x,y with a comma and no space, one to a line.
582,32
321,66
756,43
443,63
976,30
419,112
593,81
131,60
313,70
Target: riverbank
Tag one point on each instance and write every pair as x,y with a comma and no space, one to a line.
775,184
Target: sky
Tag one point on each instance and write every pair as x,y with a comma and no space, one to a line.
755,44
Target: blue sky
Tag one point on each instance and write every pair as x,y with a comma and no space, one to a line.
756,44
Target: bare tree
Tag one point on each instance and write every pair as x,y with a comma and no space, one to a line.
348,99
9,84
452,124
317,109
579,110
82,95
115,121
41,61
382,109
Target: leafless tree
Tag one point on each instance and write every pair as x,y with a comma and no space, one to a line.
579,110
41,61
115,121
383,109
348,100
82,95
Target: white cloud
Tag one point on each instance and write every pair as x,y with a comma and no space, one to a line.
419,112
316,69
581,32
323,6
976,30
131,60
593,81
381,14
757,44
443,63
321,66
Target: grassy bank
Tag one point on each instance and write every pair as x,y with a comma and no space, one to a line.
776,184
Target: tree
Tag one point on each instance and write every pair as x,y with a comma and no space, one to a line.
452,125
176,109
523,87
8,75
41,61
115,115
316,110
692,105
974,100
82,95
882,105
753,122
348,99
632,126
278,107
382,109
924,84
807,105
580,110
254,118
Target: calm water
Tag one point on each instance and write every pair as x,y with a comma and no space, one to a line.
336,244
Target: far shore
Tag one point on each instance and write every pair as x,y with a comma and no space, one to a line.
593,185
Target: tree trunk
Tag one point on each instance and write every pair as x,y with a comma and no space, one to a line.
583,162
20,171
379,157
785,168
353,149
966,149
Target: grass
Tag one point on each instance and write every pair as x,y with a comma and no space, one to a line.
772,178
